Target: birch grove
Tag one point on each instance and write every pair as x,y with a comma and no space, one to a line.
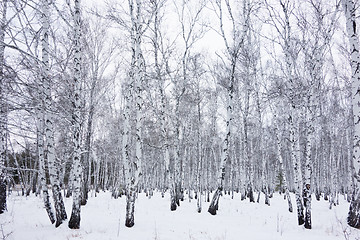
194,99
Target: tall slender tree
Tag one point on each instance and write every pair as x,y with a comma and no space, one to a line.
41,155
74,222
137,71
233,46
3,117
351,28
49,119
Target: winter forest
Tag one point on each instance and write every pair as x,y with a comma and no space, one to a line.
179,110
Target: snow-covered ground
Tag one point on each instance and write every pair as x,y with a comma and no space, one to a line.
103,218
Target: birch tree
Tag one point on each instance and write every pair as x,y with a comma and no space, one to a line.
74,222
282,24
315,51
189,19
133,170
282,170
233,45
160,58
3,118
49,128
351,28
40,149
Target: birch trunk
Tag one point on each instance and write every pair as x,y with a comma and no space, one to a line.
296,166
294,143
308,163
86,160
264,186
199,158
351,28
248,160
177,171
40,146
133,168
74,222
3,117
49,129
225,149
282,170
164,127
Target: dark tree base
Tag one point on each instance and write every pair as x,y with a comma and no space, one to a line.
301,218
251,195
354,213
129,223
212,210
214,205
267,201
74,222
58,222
243,197
173,206
173,203
59,206
2,195
307,224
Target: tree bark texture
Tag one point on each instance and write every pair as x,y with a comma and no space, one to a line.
74,222
3,111
49,129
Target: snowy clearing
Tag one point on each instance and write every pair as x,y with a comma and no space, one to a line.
103,218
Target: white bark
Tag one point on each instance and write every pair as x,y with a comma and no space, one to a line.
163,119
74,222
3,111
133,167
199,157
49,129
282,170
225,150
308,163
41,158
351,28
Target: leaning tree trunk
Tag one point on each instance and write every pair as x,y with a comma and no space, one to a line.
49,129
350,13
3,117
74,222
225,149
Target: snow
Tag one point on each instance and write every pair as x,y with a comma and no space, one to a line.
103,218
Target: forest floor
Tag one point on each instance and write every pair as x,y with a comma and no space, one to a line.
103,218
